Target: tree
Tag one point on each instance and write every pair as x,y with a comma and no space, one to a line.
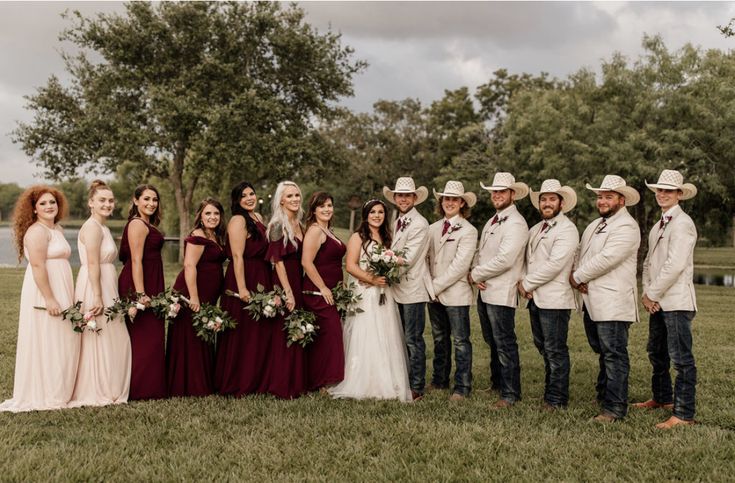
9,193
191,92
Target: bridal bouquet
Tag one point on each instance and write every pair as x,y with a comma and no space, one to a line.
300,327
346,299
79,321
266,304
383,262
211,320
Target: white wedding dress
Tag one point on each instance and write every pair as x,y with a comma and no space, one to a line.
375,351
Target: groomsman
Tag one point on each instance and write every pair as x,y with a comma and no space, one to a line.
452,242
498,267
411,234
549,259
668,295
606,278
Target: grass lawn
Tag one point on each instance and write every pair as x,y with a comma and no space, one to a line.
315,438
722,257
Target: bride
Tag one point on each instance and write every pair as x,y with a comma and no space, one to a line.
375,353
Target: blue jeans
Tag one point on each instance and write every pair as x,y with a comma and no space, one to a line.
609,339
549,328
413,318
499,323
454,322
670,341
487,335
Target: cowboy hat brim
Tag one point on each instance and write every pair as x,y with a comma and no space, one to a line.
632,197
422,193
688,190
469,197
568,195
520,189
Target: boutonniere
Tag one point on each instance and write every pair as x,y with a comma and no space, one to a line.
405,224
664,222
549,226
601,227
502,219
454,228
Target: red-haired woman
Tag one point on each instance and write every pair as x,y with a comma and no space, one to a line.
141,278
190,360
48,349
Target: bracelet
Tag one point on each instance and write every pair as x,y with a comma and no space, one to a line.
311,292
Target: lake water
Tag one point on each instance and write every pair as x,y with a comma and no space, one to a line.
9,257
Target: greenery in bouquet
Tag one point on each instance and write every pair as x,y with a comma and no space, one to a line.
346,299
167,304
210,321
300,327
123,308
79,321
267,304
383,262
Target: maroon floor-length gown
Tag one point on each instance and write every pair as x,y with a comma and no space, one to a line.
147,332
189,359
285,376
325,357
242,353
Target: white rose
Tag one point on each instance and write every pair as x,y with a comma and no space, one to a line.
218,320
387,258
92,324
268,311
174,299
210,324
375,257
309,328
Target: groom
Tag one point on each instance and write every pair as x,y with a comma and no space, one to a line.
411,234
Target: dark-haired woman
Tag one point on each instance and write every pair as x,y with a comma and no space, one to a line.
243,351
141,278
322,261
47,353
374,347
104,364
190,360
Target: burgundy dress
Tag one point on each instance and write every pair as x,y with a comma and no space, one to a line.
242,353
285,376
147,332
189,359
325,357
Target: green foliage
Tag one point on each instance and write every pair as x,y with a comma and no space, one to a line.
9,193
190,92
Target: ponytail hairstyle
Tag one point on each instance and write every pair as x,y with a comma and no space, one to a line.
221,228
236,209
133,212
95,186
364,228
279,225
317,200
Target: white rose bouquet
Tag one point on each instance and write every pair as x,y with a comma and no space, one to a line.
210,321
79,321
267,304
300,327
383,262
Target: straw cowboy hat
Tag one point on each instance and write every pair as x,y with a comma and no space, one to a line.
456,189
506,181
670,179
406,185
554,186
617,184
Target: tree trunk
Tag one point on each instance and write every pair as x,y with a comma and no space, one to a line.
733,230
183,195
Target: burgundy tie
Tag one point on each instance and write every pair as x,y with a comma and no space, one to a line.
445,228
544,227
399,225
495,220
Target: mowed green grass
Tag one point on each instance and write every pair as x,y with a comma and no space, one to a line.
721,257
315,438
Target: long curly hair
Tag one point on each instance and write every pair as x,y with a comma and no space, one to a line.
24,212
317,200
221,228
133,212
279,225
236,209
364,228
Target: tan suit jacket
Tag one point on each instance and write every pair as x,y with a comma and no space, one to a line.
607,264
549,260
499,259
668,271
449,259
415,239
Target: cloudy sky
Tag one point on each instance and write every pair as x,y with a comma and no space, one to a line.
415,49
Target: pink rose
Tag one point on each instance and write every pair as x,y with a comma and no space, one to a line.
389,253
132,312
277,301
88,316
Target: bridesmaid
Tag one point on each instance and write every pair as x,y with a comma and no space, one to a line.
190,360
286,374
142,277
322,262
48,349
104,364
242,353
